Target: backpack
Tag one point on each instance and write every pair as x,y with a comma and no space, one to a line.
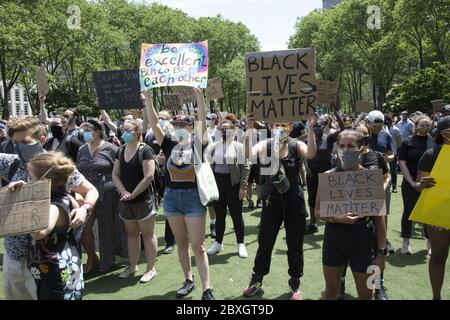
157,184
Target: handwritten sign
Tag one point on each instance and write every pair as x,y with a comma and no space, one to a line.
172,102
364,106
174,64
327,92
437,105
186,94
42,81
281,85
214,89
360,192
432,206
25,210
118,89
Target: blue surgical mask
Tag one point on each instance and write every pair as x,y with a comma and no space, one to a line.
127,137
349,159
180,134
88,137
163,123
26,152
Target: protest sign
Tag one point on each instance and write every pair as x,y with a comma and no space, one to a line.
172,102
327,92
118,89
174,64
42,81
434,203
186,94
360,192
214,89
437,105
364,106
281,85
26,209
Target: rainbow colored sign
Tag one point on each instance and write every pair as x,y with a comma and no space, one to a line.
174,64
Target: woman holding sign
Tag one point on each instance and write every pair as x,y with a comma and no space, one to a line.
283,201
350,237
439,237
182,205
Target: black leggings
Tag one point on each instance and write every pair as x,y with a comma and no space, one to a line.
290,208
410,197
228,197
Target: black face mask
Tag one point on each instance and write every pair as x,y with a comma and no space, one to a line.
57,132
366,140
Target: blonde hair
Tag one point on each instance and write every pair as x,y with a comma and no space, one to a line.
137,125
54,165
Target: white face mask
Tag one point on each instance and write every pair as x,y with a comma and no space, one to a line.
180,134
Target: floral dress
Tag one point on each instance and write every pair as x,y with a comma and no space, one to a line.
55,261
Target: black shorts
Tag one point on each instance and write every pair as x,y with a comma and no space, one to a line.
344,243
312,182
254,174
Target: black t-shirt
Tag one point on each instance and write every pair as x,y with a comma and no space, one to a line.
374,160
131,173
426,163
180,172
412,150
151,141
322,160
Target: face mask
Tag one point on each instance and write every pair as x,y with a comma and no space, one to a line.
26,152
57,132
180,134
366,140
208,123
127,137
280,134
163,123
349,158
88,137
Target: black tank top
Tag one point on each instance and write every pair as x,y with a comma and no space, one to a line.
291,166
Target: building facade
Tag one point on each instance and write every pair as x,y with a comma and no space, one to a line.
17,101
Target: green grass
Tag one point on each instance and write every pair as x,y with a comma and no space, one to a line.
406,277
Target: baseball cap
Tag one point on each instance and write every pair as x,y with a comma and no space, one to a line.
211,116
183,119
375,115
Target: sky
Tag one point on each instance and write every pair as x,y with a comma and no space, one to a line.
272,21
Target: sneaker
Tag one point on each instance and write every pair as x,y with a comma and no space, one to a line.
212,228
215,248
394,190
127,273
428,248
187,288
168,250
341,295
380,294
311,229
148,276
251,205
295,293
207,295
242,251
259,204
253,287
389,247
406,248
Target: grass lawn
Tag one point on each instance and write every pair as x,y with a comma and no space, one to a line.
406,277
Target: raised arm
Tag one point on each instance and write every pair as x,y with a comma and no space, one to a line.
108,121
309,151
152,116
43,115
201,114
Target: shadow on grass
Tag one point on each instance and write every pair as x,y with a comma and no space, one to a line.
401,260
171,295
221,258
1,259
110,284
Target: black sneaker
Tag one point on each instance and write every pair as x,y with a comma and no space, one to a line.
207,295
251,205
212,228
311,229
253,287
259,204
341,295
381,294
187,288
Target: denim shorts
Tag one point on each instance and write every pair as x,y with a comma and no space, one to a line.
185,202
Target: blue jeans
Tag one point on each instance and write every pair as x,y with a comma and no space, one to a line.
185,202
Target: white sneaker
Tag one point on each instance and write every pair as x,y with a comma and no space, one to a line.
429,247
215,248
406,248
242,251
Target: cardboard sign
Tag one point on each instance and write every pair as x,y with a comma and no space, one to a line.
136,113
25,210
42,81
174,64
364,106
172,102
281,85
327,92
186,94
434,203
214,89
437,105
118,89
360,192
